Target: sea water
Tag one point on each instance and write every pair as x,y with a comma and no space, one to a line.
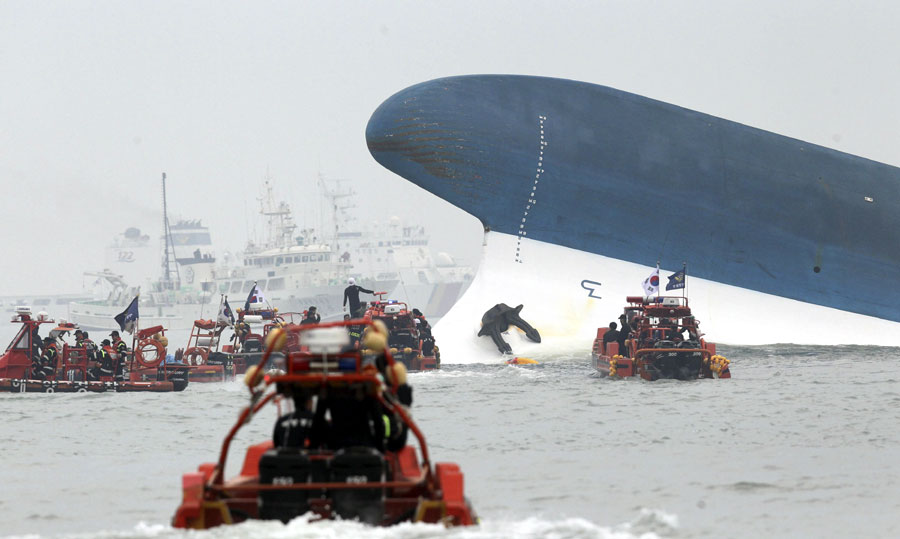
802,441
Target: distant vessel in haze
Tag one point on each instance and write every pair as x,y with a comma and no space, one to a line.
293,268
582,189
296,269
181,291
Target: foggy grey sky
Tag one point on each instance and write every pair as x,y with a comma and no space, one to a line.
98,99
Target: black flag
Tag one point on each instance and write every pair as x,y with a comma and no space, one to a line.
129,317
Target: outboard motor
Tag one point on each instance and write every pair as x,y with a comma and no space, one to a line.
252,345
178,376
223,359
358,465
284,466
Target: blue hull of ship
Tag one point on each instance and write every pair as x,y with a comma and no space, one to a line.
624,176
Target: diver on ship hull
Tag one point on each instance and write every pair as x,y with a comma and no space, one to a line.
498,318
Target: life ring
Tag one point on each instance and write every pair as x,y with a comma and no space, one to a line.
148,343
195,356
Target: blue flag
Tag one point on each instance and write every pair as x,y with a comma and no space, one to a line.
676,280
129,317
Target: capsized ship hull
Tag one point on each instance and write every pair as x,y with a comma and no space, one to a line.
766,219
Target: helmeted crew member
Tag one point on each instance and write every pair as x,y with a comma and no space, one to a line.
611,335
49,361
312,317
121,353
351,293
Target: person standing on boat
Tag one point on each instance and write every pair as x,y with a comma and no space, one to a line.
37,345
624,331
312,317
90,347
121,353
424,332
351,293
611,335
104,361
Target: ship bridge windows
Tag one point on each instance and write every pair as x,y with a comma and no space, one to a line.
279,260
248,285
236,287
305,258
261,285
276,284
21,340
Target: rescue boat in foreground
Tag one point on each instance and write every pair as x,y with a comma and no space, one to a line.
282,483
656,347
70,374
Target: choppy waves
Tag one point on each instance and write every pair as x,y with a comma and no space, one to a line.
802,441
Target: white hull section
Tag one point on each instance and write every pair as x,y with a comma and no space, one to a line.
547,280
176,317
434,300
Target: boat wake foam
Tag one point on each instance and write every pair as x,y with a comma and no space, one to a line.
649,525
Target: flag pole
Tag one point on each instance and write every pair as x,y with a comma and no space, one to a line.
684,272
134,334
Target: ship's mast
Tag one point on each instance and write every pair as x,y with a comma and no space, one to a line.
336,207
280,221
168,270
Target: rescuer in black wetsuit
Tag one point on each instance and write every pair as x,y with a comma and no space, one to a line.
351,293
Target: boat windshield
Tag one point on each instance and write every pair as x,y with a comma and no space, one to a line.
20,342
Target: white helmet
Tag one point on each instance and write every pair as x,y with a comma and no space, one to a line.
43,316
351,281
